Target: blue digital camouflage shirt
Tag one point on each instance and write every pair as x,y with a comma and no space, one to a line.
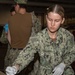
51,52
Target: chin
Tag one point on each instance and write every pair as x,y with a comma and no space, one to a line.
53,31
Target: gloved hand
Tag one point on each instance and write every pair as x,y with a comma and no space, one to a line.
6,28
11,70
59,69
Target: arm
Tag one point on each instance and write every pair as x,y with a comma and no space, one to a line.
8,36
27,54
69,53
7,32
67,57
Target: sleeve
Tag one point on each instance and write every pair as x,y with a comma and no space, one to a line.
3,38
6,27
27,54
36,24
69,53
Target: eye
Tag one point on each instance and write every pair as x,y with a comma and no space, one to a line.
57,20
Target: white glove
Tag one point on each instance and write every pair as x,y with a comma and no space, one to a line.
58,70
11,70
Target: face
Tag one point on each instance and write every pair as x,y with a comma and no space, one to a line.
54,21
17,8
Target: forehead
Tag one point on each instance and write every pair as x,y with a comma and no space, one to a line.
54,15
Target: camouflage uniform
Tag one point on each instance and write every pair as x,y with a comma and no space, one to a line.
11,55
36,24
51,52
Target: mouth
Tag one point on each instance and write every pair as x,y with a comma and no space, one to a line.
52,28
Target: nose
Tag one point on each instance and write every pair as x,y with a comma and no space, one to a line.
52,23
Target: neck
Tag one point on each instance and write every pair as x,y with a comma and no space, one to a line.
52,35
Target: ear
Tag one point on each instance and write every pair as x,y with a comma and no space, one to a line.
63,21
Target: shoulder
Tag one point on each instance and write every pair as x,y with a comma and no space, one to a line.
66,33
38,38
42,33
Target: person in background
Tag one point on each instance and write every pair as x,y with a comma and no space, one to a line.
17,33
54,44
31,26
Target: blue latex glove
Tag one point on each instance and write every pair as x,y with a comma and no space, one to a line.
6,27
